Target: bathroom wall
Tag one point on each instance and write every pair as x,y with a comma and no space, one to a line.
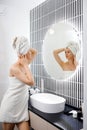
41,18
3,61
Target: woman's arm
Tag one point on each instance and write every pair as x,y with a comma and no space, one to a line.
28,73
57,57
26,77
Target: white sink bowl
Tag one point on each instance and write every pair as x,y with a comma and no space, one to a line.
48,103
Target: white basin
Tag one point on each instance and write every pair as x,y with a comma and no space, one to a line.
48,103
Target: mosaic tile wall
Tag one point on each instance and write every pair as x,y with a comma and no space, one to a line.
41,18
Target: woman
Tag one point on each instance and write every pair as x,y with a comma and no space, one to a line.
70,53
14,106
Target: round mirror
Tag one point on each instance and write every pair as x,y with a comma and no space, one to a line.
61,51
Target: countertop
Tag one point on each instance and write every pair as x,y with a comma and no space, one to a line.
62,120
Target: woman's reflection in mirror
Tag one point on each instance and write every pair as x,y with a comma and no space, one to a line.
71,51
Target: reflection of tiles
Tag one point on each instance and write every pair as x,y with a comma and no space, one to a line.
41,18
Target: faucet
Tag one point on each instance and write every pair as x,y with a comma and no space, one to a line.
34,90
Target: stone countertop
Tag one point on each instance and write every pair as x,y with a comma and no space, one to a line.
62,120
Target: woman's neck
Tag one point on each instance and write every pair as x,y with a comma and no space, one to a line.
71,62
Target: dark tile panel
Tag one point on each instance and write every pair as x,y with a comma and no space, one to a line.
59,3
42,17
60,14
50,84
38,59
38,46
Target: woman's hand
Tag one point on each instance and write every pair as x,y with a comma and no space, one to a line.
33,53
59,50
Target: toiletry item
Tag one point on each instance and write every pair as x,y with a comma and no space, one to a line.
42,85
74,113
79,114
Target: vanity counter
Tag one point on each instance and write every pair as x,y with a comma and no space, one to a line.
60,120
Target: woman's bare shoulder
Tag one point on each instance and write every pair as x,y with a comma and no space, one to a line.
14,68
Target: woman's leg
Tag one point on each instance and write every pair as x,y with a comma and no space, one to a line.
8,126
23,125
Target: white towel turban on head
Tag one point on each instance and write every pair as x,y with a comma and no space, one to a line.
21,45
73,46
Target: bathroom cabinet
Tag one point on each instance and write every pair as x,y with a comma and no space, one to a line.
37,123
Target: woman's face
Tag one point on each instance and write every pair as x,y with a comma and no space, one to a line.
69,54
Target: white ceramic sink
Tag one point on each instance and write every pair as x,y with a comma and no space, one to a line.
48,103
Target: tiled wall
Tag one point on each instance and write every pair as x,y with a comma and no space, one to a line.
41,18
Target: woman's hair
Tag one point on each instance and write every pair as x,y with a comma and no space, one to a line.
73,46
21,45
